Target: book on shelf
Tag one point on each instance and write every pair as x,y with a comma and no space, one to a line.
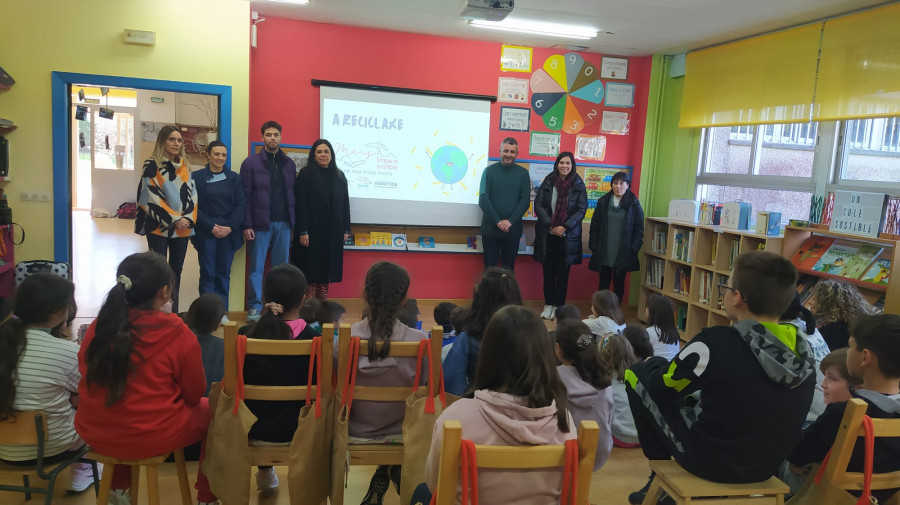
705,287
880,271
720,300
380,239
398,240
805,286
735,251
710,213
683,247
361,239
682,281
811,252
846,258
655,269
426,242
658,242
681,320
736,215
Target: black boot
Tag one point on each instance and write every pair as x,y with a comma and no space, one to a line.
378,486
395,476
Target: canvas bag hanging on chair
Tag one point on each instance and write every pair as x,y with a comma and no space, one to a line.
309,471
818,489
418,423
227,462
341,438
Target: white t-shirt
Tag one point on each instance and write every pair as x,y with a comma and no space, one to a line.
603,325
661,348
46,377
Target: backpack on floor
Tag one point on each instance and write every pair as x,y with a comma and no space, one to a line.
127,210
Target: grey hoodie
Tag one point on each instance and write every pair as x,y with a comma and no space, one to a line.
493,418
590,404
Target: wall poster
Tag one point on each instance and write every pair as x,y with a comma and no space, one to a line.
511,90
515,119
544,144
515,59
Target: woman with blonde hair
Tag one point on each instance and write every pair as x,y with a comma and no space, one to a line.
167,202
836,304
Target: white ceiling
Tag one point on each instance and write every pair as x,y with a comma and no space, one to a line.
627,27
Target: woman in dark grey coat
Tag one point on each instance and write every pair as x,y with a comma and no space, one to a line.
617,233
560,205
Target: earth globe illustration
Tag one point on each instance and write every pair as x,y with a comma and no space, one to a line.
449,164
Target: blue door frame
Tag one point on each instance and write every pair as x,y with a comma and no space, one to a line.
62,172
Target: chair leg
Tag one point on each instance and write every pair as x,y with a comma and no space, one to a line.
152,485
27,484
183,482
48,495
96,473
135,483
105,484
654,493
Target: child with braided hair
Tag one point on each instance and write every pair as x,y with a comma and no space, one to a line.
587,379
385,295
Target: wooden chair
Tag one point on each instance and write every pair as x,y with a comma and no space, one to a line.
685,487
30,428
385,454
275,454
150,467
515,458
851,428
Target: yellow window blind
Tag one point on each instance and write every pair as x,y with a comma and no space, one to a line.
766,79
859,75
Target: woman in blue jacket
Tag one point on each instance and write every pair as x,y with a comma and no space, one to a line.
560,205
220,210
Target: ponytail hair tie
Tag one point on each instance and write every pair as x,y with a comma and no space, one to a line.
584,340
274,308
125,281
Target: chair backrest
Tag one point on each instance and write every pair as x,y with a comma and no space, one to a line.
850,430
397,350
22,429
276,348
518,457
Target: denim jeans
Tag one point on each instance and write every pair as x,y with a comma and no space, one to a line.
278,239
215,257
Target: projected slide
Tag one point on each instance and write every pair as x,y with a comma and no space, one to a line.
394,146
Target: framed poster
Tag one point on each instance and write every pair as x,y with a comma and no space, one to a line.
614,68
615,123
511,90
515,59
619,94
515,119
590,147
544,144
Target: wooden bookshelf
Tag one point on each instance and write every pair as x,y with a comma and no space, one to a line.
705,255
795,237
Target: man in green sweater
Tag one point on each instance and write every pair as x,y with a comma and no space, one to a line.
504,197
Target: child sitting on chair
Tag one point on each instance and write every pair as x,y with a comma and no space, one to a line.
874,357
203,318
712,408
40,372
385,296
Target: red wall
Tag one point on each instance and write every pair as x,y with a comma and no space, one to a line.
290,53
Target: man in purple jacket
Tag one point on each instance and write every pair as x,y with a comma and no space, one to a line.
268,180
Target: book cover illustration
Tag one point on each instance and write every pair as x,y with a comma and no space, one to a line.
471,242
811,252
398,240
859,262
835,258
380,239
362,239
426,242
879,272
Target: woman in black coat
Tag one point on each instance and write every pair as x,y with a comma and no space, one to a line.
560,205
322,223
617,233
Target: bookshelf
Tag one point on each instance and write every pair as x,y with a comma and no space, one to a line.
687,262
796,237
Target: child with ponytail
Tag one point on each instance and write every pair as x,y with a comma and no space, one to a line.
142,385
587,379
385,295
40,372
282,295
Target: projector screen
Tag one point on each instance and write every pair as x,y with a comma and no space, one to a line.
409,159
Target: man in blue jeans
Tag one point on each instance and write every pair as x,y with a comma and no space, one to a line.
268,180
504,198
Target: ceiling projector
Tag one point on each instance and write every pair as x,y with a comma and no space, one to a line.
488,10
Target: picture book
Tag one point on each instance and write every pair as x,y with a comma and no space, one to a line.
426,242
836,257
858,263
880,271
398,240
811,252
380,239
362,239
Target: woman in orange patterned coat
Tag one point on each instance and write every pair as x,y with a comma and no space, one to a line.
167,202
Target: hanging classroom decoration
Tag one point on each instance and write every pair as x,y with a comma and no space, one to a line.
566,93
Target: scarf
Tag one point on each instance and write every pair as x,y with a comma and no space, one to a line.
563,186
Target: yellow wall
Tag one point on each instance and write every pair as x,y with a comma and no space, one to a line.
203,41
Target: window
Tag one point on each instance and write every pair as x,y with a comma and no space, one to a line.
771,167
871,150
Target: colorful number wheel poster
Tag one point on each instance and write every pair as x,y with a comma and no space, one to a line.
566,93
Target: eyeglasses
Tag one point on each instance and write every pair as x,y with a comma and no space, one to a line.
725,287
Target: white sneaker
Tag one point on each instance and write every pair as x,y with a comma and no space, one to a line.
83,476
266,479
548,312
253,315
119,497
